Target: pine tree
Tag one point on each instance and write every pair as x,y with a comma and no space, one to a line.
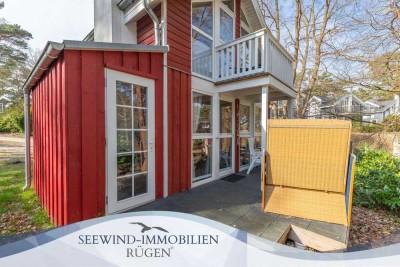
13,50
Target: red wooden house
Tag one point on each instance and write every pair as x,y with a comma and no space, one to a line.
161,97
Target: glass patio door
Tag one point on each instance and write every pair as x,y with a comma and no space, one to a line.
244,135
225,137
130,140
202,137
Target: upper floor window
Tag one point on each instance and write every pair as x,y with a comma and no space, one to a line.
225,27
230,4
202,17
213,23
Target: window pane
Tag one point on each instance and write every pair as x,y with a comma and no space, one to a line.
202,17
201,54
140,140
140,184
140,162
244,151
244,116
124,164
230,4
225,155
139,96
226,27
124,141
202,113
257,119
139,118
124,93
225,117
124,188
202,159
124,118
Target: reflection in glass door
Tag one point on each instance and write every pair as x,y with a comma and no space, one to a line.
244,134
202,141
225,136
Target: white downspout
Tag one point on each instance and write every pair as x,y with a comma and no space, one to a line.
155,20
27,143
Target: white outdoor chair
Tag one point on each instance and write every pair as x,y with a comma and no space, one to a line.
255,157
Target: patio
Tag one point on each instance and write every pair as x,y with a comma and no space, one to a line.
239,205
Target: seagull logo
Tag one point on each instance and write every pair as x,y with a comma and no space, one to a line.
146,228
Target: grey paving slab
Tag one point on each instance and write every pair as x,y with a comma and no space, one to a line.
258,215
334,231
255,227
223,216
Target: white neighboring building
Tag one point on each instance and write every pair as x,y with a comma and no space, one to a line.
349,104
5,102
379,110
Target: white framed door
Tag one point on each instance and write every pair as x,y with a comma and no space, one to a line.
130,140
225,137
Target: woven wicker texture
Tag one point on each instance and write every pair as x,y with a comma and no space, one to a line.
310,154
309,204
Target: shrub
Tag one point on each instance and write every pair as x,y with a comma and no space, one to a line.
363,127
12,120
377,180
392,122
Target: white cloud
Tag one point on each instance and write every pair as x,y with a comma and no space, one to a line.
51,20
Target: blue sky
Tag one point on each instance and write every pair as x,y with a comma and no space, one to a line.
50,20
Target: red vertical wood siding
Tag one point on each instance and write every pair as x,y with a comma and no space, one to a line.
179,131
145,28
48,134
179,34
237,23
69,131
179,95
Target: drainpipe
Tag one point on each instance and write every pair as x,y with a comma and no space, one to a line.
27,143
155,20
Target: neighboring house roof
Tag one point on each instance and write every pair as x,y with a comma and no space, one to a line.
5,98
381,105
359,101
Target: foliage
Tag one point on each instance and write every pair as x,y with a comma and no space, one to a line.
13,56
392,123
20,211
364,127
377,180
12,120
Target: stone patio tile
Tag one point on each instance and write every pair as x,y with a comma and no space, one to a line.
272,233
240,209
334,231
223,216
250,226
258,215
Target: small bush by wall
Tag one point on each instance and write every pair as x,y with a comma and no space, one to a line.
377,181
12,120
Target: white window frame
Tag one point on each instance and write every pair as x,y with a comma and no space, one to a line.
197,136
246,134
216,6
224,172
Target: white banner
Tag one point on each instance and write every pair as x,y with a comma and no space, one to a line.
171,239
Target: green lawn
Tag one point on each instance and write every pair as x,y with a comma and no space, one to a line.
19,211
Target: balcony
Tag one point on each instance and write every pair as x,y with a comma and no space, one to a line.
254,54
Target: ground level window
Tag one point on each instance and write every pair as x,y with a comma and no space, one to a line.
202,137
244,128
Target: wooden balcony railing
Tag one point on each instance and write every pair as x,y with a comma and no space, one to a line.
255,53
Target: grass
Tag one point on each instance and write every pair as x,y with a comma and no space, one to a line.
20,211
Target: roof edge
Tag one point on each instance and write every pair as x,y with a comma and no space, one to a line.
52,50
